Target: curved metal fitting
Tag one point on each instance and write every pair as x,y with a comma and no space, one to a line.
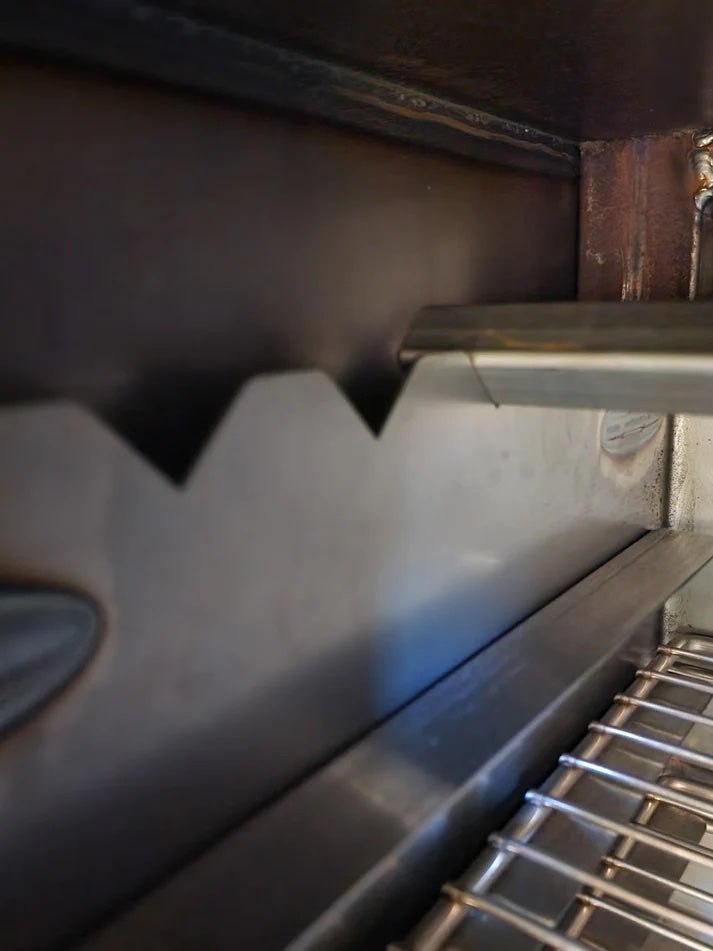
703,197
703,138
702,162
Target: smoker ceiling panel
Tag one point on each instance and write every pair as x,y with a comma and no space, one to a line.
584,70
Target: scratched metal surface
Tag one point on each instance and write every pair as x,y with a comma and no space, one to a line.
305,582
611,69
188,52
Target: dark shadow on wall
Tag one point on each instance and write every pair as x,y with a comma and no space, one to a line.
169,415
157,249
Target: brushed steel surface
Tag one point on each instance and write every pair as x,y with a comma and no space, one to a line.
644,382
307,581
361,844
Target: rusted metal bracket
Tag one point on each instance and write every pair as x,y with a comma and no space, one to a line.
636,215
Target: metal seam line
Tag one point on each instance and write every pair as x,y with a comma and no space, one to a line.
481,382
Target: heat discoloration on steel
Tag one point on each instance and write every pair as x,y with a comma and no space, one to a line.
561,328
198,52
509,342
472,124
